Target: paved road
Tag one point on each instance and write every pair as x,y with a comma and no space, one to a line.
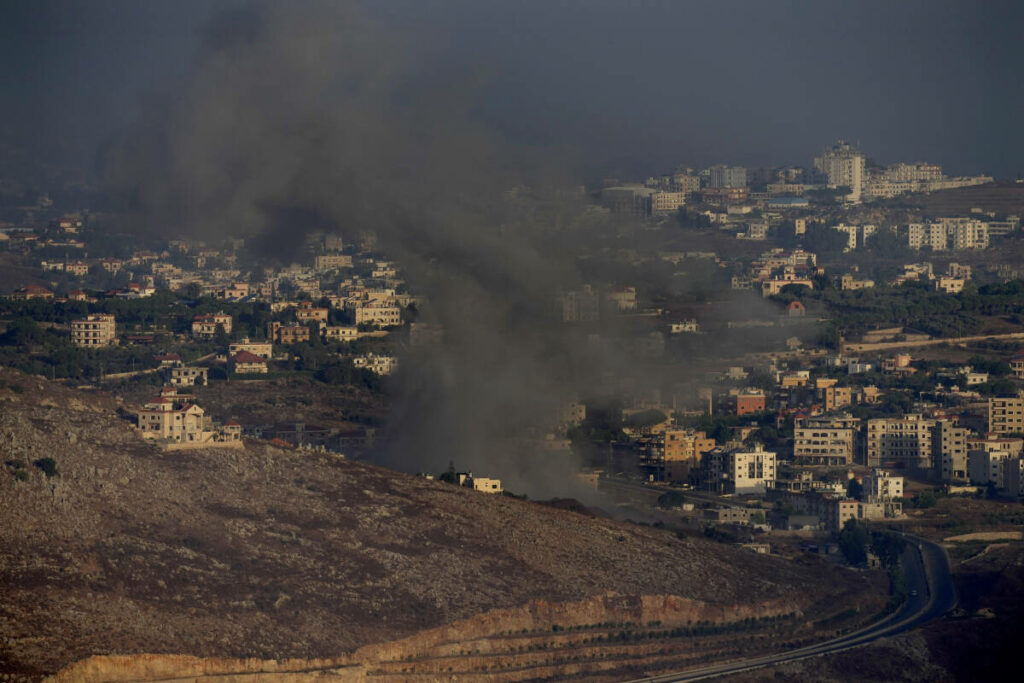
928,575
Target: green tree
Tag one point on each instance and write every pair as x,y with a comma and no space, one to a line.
854,489
853,542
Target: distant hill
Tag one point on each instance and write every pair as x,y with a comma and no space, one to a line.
115,547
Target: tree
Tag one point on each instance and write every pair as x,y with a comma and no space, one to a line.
449,474
854,489
924,499
853,542
888,547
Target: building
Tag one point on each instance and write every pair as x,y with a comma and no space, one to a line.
900,442
738,471
1017,366
332,261
306,313
1006,415
482,484
843,166
205,326
340,333
170,417
683,449
949,450
264,350
880,485
750,401
821,441
94,331
629,200
727,176
381,365
987,467
188,376
287,333
245,363
375,313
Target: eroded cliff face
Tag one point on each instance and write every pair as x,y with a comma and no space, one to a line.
542,639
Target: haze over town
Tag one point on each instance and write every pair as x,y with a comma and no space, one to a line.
481,301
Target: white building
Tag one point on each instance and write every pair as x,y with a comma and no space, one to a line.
843,165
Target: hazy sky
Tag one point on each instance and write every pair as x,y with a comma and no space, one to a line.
634,87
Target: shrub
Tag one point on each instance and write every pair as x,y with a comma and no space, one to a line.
47,465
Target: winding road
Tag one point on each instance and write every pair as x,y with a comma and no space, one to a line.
931,594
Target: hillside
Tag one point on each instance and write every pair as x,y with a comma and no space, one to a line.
273,554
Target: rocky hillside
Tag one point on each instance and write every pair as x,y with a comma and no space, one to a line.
111,546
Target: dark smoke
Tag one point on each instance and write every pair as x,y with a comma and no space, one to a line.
321,118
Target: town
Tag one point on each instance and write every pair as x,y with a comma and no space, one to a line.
847,340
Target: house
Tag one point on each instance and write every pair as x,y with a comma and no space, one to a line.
264,350
795,309
382,365
245,363
482,484
287,333
205,326
173,420
307,313
340,333
188,376
31,292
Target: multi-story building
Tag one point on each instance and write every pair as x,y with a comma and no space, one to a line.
843,165
683,449
949,450
750,401
306,313
287,334
172,418
902,442
96,330
1017,366
333,261
739,470
264,350
821,441
245,363
667,202
986,466
881,485
727,176
187,376
205,326
1006,414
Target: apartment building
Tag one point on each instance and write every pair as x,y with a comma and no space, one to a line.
739,471
1006,414
683,449
341,333
94,331
903,442
949,450
821,441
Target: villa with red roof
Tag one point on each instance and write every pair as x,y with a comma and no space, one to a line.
245,363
